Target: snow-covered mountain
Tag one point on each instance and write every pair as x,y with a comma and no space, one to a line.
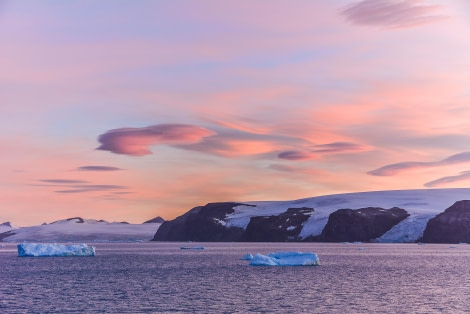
7,226
305,219
78,229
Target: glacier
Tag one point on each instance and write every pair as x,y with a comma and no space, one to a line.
286,259
54,249
422,205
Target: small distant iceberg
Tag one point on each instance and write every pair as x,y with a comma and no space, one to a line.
54,249
192,247
247,257
285,259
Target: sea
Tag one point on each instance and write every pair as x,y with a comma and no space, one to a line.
159,277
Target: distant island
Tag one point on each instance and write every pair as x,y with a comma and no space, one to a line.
77,229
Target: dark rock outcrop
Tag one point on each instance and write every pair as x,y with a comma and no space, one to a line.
280,228
202,223
157,220
363,224
79,220
451,226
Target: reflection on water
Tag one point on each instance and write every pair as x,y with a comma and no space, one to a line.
160,277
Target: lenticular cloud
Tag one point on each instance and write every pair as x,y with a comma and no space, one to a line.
135,141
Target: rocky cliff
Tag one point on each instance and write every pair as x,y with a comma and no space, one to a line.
364,224
202,223
451,226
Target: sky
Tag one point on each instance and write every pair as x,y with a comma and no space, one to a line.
128,110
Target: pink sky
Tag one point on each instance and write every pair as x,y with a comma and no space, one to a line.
125,111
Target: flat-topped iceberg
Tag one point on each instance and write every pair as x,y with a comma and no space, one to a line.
286,259
54,249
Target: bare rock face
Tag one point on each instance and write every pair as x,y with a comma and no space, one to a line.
280,228
202,223
451,226
365,224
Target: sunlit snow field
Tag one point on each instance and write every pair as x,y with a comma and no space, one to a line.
160,277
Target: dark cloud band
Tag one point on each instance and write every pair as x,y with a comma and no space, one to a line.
98,168
393,169
465,175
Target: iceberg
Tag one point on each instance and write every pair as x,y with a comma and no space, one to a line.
286,259
247,257
54,249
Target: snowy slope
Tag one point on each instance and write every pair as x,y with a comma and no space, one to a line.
7,226
422,205
77,229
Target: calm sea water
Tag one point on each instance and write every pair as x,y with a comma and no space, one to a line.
159,277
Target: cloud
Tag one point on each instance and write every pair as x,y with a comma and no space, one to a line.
296,155
338,147
80,186
98,168
282,168
236,143
135,141
393,169
465,175
63,181
334,148
92,188
391,13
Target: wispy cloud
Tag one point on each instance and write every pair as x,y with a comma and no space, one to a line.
282,168
392,13
92,188
338,147
63,181
296,155
316,150
393,169
98,168
79,186
465,175
135,141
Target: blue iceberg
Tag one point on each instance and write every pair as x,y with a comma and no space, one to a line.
286,259
54,249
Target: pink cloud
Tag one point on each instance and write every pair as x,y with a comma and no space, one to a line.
393,169
135,141
391,14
